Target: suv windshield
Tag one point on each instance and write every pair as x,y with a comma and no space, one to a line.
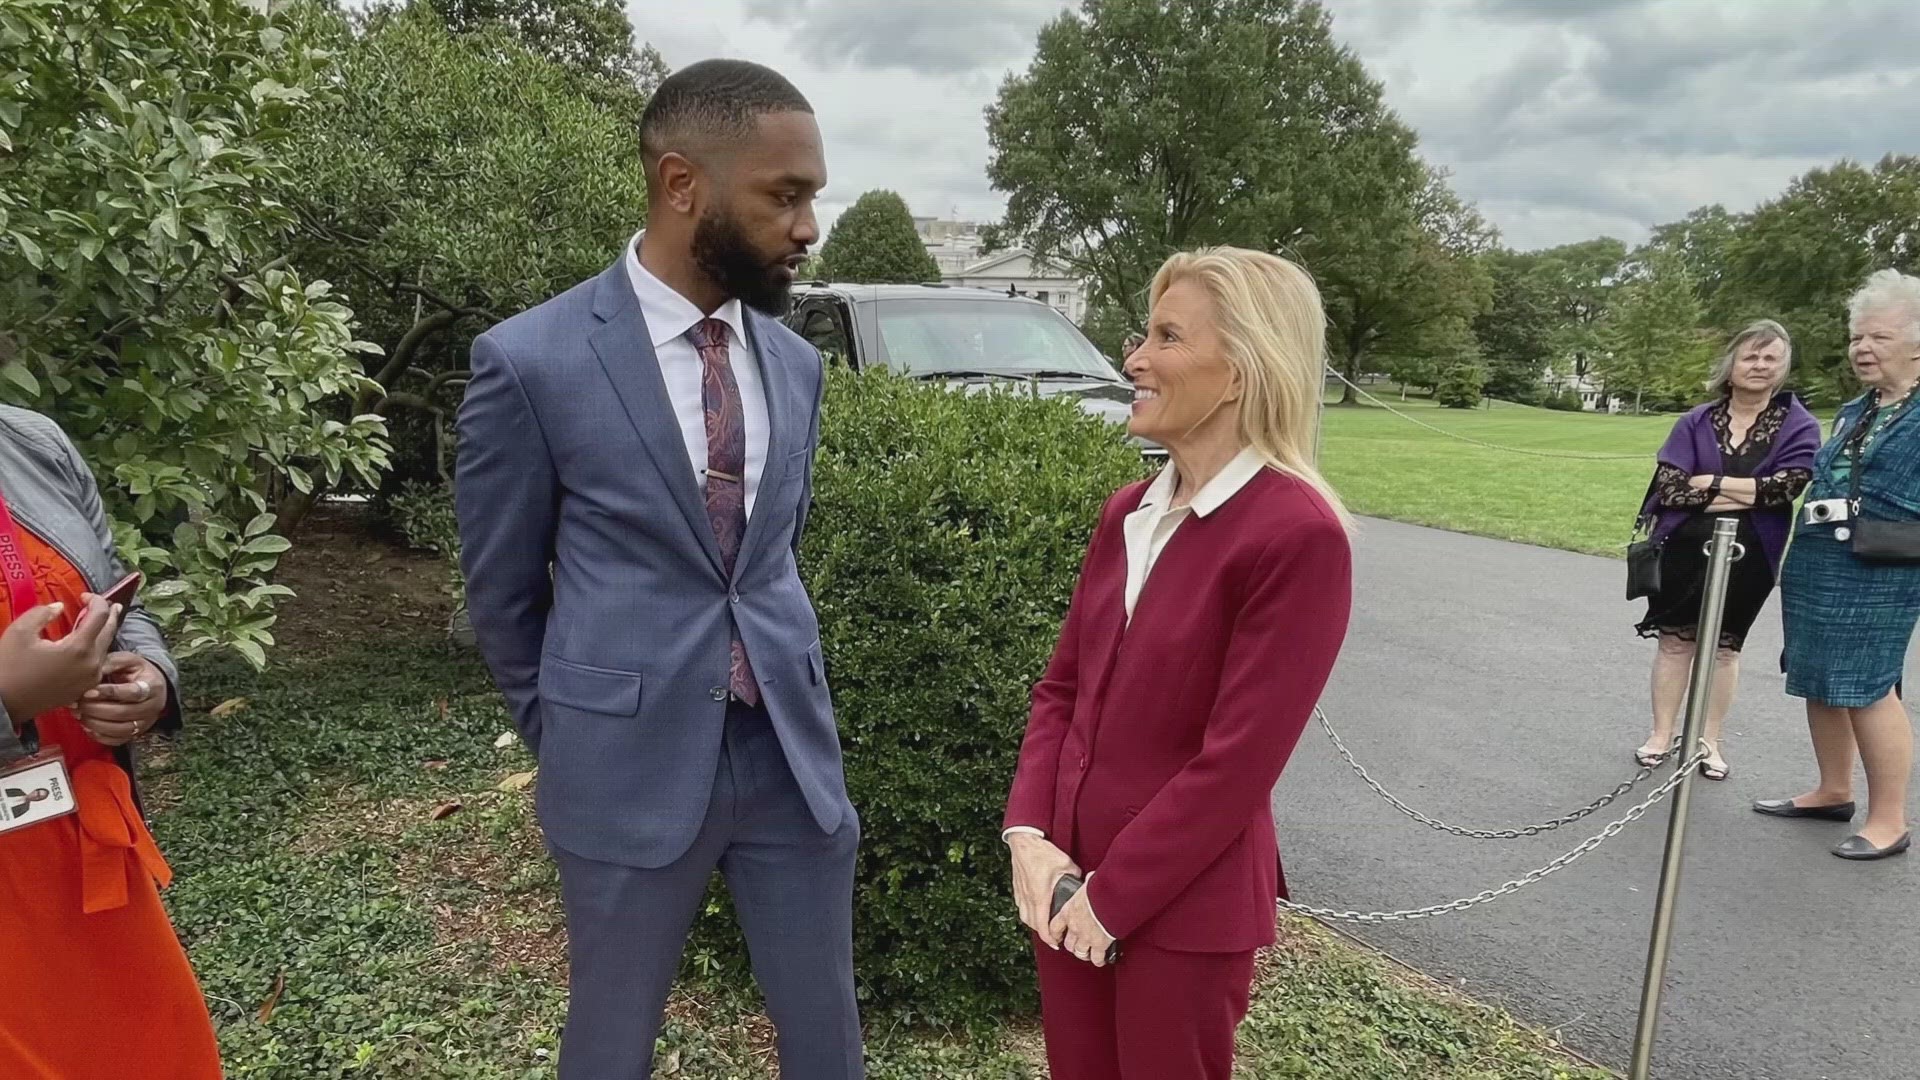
933,337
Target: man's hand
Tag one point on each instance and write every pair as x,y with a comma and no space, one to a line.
37,674
1080,932
131,697
1037,867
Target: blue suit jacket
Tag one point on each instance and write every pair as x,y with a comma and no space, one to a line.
594,581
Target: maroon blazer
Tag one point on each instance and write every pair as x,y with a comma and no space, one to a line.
1152,749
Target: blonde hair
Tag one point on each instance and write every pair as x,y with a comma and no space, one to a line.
1760,332
1268,312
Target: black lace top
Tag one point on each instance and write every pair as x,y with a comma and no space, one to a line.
1779,489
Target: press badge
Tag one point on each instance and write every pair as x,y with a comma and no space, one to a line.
35,790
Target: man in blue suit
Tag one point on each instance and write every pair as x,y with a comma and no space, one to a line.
636,462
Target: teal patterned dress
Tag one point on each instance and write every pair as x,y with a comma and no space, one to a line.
1848,623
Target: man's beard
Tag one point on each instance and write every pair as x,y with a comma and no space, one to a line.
729,260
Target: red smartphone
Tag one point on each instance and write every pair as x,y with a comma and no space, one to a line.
123,591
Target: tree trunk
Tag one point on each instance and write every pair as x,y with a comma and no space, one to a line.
294,509
1356,348
376,398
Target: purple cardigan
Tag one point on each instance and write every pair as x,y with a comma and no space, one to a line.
1694,448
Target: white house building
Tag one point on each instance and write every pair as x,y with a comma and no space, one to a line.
1593,396
1015,271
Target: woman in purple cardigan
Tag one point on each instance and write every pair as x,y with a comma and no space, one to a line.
1745,455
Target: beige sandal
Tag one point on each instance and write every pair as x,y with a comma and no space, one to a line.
1708,769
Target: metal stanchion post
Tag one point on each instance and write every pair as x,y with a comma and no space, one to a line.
1712,609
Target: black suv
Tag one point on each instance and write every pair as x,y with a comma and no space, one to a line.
970,337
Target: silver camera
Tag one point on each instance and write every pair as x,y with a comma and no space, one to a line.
1823,511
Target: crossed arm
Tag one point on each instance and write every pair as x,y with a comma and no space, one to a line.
1678,490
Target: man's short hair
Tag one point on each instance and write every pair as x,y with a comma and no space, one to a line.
713,101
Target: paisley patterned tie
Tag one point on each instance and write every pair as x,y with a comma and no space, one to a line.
726,473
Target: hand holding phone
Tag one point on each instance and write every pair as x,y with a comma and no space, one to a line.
123,591
1063,891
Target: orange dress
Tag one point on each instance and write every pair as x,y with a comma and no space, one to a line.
98,985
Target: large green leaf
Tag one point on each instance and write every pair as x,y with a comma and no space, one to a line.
136,229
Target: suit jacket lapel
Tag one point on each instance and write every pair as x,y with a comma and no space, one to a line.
777,376
625,349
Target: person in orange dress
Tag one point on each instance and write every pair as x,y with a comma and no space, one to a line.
103,990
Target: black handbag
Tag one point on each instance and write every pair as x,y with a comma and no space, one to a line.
1643,552
1873,540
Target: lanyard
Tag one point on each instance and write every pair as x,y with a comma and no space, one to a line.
21,595
1856,445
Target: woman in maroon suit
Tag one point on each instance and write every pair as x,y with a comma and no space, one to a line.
1210,609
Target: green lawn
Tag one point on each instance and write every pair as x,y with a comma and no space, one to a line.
362,888
1386,466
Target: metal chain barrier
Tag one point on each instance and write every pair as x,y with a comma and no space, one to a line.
1555,454
1488,834
1409,914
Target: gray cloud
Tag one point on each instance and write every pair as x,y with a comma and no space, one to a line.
1636,111
944,38
1547,11
1562,120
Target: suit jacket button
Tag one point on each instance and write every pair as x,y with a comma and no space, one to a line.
736,598
719,693
1083,761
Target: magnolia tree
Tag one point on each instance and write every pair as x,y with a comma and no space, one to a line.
145,287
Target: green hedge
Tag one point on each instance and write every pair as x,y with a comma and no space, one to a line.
945,538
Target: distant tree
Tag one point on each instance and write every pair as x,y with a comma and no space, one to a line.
1107,327
1653,345
874,242
1516,333
1798,257
1418,372
1145,127
1701,241
592,37
1581,279
1411,287
1461,385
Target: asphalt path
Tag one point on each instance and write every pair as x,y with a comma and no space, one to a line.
1494,684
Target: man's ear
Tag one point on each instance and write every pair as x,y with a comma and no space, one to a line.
679,179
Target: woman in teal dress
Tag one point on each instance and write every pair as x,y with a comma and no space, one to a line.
1849,622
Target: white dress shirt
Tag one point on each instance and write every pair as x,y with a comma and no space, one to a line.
1149,528
669,317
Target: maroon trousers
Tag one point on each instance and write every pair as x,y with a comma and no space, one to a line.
1155,1015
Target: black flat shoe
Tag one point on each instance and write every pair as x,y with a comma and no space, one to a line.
1785,808
1860,849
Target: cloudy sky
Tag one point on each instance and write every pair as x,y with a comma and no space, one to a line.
1562,119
